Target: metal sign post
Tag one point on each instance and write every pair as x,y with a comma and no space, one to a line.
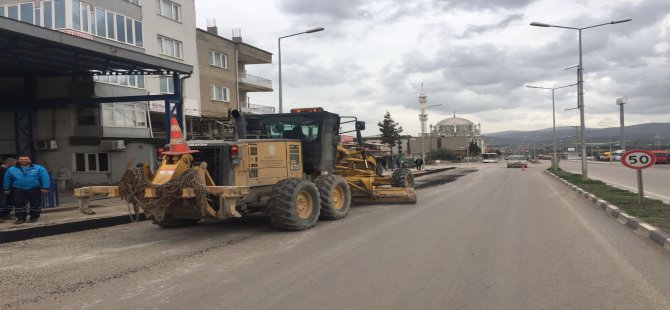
638,160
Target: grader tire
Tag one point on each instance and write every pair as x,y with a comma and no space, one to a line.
294,204
402,178
176,223
335,196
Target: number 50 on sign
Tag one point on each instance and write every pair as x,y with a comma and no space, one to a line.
638,159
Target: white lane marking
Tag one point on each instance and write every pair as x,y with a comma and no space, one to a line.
628,187
635,189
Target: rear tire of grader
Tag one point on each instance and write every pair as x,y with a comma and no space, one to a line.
294,204
335,196
402,178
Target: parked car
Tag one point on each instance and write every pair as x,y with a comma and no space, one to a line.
517,161
661,156
616,155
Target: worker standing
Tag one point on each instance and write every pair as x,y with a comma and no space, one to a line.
26,182
6,205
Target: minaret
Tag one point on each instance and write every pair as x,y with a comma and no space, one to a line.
423,118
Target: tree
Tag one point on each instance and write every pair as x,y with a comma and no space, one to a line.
390,130
474,149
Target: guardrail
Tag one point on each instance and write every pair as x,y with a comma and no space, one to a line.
255,80
257,108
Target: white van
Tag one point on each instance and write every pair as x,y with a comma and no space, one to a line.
489,158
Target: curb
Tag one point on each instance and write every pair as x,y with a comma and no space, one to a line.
64,228
638,226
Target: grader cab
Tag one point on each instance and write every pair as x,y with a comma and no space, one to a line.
288,166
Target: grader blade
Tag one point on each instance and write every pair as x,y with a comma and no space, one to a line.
382,195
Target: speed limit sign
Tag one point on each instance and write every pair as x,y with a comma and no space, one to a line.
638,159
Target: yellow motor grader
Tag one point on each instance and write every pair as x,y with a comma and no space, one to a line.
289,166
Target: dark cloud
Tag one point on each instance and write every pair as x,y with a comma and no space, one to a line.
481,4
479,29
347,10
341,9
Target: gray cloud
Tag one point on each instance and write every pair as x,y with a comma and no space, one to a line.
468,73
341,9
476,5
479,29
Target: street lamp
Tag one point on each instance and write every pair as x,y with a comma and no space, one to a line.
620,102
554,160
279,45
580,81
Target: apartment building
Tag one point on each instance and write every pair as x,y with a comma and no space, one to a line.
224,81
90,143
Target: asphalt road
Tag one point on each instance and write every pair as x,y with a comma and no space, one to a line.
481,237
656,179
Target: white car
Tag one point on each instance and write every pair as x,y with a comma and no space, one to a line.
517,161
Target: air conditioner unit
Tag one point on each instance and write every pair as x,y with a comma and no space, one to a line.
112,145
46,145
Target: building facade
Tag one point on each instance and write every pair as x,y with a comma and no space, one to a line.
91,143
225,82
453,134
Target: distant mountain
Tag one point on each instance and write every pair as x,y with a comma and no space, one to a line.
650,135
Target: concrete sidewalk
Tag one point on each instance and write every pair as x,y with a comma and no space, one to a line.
67,218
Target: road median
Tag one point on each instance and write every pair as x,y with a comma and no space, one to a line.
651,221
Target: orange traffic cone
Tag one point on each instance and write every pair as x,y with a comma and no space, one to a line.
177,144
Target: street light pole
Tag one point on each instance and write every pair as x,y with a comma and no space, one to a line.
554,160
279,56
620,102
580,83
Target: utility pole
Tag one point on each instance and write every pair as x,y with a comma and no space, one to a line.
620,102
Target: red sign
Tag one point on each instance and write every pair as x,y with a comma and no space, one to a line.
77,33
638,159
346,139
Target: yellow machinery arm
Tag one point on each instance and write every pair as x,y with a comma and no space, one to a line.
171,167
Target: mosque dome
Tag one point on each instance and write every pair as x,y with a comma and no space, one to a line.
454,121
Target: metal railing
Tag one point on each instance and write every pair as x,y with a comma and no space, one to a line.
259,109
255,80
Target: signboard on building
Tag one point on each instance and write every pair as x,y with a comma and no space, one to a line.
346,139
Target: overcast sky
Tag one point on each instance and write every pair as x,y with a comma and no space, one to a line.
472,56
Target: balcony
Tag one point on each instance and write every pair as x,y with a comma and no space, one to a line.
254,83
258,109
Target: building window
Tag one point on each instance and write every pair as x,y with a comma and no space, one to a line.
169,9
48,18
136,81
59,13
99,22
138,34
13,12
218,60
169,47
91,162
88,116
27,14
131,115
120,28
134,1
219,93
167,85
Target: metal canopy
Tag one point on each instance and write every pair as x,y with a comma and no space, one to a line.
28,50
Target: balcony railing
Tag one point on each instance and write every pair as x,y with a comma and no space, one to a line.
255,80
258,109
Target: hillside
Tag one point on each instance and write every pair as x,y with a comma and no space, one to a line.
650,135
